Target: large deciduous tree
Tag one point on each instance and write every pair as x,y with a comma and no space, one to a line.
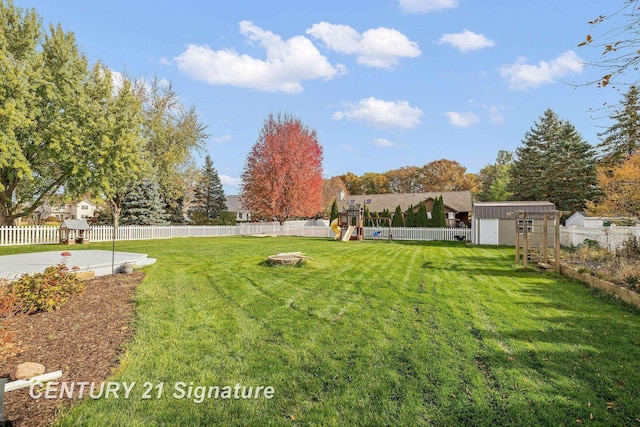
331,188
555,164
447,175
282,177
116,119
56,120
172,134
406,179
621,186
494,178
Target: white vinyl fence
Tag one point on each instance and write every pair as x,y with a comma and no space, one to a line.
611,238
29,235
414,233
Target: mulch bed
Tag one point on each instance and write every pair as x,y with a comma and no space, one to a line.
84,339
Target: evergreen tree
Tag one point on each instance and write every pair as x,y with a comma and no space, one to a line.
438,217
622,139
143,205
209,199
421,218
398,220
410,220
334,210
555,164
374,221
386,213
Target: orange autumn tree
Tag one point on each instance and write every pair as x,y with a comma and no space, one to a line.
621,185
282,177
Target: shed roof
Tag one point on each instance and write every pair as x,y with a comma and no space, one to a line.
75,224
501,210
458,201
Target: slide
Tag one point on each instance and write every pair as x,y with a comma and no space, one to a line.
349,232
336,228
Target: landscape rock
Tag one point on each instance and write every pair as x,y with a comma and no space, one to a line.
27,370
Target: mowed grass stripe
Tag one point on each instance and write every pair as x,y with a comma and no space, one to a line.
372,333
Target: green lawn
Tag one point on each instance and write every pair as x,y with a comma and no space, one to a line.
370,333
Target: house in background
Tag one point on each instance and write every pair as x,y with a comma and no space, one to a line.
457,204
492,224
581,219
234,205
75,210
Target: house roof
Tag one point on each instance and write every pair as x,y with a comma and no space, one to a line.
458,201
501,210
75,224
234,204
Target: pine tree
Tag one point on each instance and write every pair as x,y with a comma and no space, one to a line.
421,218
410,220
554,164
143,205
209,199
398,220
334,210
622,139
366,214
374,220
438,217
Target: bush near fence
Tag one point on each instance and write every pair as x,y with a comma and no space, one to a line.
30,235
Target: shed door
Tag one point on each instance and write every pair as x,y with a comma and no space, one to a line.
488,231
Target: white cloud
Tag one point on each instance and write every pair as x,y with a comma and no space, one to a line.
462,119
227,180
349,148
522,76
379,47
466,41
222,138
425,6
288,63
383,142
382,114
495,113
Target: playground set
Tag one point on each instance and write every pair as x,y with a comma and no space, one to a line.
349,225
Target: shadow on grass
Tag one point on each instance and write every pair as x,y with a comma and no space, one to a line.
583,365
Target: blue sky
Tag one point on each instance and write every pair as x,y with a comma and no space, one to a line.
385,83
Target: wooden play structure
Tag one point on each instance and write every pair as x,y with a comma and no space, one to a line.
350,224
74,231
538,238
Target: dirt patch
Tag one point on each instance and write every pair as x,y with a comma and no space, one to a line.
84,339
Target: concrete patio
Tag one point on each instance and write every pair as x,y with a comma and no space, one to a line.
14,266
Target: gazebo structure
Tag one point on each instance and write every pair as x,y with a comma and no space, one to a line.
74,231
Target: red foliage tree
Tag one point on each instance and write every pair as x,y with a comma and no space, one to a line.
282,177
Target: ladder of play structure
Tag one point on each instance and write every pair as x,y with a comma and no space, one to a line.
349,232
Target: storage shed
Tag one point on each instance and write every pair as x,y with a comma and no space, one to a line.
492,225
74,231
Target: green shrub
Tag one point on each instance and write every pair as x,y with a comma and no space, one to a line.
45,291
